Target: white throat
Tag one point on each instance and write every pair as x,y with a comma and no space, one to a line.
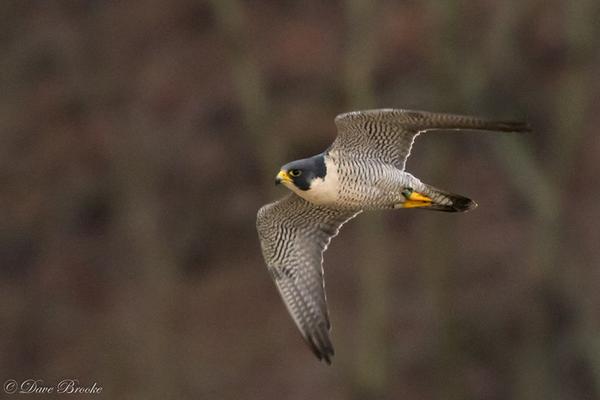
323,191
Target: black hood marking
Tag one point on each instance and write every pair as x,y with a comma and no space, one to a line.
312,168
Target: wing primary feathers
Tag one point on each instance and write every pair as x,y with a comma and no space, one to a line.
425,120
320,344
388,134
454,122
293,235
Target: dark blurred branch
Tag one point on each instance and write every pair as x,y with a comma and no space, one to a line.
437,249
249,83
574,104
534,375
361,53
542,187
436,233
149,265
371,369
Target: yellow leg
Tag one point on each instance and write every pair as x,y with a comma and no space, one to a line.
415,200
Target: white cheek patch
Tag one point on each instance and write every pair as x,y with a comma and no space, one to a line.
322,190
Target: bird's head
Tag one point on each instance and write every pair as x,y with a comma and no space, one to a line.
301,174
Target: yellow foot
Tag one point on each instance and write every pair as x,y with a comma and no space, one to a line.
414,200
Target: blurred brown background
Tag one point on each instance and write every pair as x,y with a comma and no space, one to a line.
139,138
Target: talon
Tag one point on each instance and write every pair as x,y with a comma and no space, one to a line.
414,196
414,199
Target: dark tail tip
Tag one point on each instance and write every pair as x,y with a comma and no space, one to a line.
462,204
459,204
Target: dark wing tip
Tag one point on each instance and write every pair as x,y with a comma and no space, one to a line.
323,353
513,126
320,343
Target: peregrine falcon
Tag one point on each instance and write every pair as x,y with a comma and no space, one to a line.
362,170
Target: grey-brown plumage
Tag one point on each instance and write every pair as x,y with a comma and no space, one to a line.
363,169
294,234
388,134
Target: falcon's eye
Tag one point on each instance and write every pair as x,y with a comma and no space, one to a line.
295,172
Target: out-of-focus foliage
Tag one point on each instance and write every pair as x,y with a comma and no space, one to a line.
138,139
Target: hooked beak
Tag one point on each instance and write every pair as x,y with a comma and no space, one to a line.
282,176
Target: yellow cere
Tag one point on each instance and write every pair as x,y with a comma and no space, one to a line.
283,176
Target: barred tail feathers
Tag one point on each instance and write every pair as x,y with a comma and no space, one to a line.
448,202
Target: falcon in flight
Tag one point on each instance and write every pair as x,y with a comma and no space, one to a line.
363,169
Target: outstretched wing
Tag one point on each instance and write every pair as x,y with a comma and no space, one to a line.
293,235
388,134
